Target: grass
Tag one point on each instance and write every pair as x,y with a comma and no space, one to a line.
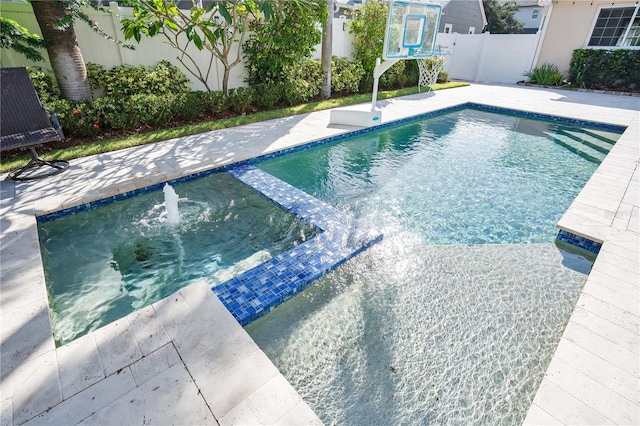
108,145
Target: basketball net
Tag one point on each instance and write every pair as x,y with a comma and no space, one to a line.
429,68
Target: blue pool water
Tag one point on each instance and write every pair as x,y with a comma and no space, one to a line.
466,177
454,316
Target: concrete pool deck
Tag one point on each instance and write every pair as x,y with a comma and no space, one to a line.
185,360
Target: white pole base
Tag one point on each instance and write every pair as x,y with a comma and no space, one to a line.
358,115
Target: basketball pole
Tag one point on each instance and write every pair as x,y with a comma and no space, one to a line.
377,72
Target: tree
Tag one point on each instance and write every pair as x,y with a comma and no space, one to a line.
56,24
501,17
56,18
219,28
327,41
368,26
16,37
284,40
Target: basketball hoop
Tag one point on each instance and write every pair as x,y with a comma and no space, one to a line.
430,67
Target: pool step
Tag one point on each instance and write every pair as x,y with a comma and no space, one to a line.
588,138
579,147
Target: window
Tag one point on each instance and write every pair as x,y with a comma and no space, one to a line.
472,30
535,13
616,27
448,28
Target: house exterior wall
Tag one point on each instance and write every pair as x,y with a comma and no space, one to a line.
524,15
569,28
462,14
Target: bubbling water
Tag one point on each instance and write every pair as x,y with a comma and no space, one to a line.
171,204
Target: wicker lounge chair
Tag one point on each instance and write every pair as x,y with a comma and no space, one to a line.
25,123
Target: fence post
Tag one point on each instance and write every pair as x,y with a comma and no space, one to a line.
115,12
481,56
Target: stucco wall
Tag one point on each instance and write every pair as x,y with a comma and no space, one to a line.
569,27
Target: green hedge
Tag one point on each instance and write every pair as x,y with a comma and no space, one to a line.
135,97
617,69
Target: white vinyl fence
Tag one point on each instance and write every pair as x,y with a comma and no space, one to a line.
101,51
491,58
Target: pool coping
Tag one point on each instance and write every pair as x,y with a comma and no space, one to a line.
116,173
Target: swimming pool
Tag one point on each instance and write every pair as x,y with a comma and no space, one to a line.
398,251
454,316
104,263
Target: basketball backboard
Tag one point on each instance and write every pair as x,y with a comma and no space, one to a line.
411,30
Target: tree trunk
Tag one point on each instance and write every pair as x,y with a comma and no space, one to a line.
327,41
64,52
225,79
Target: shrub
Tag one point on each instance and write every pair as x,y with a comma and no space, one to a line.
546,74
241,99
268,95
286,39
135,111
188,105
345,75
412,72
127,80
303,81
368,26
393,77
96,74
617,69
78,119
44,83
215,102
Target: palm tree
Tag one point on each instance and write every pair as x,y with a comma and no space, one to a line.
62,46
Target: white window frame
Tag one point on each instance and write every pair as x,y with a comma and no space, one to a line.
626,33
448,28
472,30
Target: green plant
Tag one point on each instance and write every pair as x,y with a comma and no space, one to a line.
215,102
302,81
44,83
217,30
286,39
394,77
188,105
135,111
367,26
617,69
546,74
127,80
412,72
268,95
345,75
501,17
96,75
78,119
17,38
241,99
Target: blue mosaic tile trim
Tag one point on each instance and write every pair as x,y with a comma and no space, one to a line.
257,291
578,241
546,117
